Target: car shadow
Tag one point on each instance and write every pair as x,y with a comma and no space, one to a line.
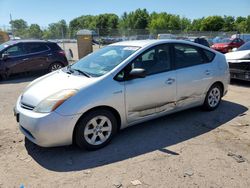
22,78
240,83
137,140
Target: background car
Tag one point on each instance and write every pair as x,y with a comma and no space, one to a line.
227,45
199,40
30,55
239,62
117,86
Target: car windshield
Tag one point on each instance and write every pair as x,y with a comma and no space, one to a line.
245,46
2,46
104,60
226,40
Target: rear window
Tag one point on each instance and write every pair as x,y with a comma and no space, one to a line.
54,46
209,55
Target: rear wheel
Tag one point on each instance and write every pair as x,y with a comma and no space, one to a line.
55,66
213,97
95,130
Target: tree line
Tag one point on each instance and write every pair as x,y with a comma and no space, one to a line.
138,20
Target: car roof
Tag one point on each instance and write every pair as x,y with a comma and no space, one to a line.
11,42
145,43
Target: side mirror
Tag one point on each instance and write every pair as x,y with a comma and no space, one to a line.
5,56
234,49
137,73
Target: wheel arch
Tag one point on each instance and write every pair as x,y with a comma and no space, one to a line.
218,83
109,108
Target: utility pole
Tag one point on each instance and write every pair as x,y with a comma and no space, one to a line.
12,30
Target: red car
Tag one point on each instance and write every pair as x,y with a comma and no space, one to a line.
227,45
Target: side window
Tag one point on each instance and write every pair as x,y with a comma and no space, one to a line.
209,55
30,48
14,51
187,55
155,60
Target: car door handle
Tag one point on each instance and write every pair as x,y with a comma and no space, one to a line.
207,72
26,59
169,81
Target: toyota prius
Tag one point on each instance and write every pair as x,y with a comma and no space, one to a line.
120,85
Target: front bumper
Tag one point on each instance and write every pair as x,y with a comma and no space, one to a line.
45,129
240,74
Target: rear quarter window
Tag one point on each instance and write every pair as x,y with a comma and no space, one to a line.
210,55
54,46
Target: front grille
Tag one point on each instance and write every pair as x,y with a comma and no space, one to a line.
26,106
241,66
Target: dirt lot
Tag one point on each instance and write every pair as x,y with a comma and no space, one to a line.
192,148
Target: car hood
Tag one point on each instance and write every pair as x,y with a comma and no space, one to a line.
238,54
47,85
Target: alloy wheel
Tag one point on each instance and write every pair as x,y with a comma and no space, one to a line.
214,97
98,130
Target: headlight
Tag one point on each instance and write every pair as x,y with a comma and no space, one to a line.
54,101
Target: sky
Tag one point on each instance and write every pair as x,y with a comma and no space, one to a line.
44,12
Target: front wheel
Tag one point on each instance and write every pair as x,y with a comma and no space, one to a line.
95,130
213,97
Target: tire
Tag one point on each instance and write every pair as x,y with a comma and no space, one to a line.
55,66
95,129
213,97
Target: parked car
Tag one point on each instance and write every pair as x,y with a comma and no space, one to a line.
227,45
239,62
118,86
30,55
199,40
166,36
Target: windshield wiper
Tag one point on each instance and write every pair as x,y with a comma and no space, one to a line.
82,72
69,69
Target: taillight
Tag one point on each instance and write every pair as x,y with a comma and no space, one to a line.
61,52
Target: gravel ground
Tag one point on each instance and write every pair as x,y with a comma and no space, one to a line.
192,148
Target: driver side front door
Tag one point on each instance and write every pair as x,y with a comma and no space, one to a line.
156,93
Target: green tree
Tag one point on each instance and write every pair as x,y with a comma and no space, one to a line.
241,24
212,23
35,31
82,22
229,23
56,30
106,23
137,19
20,27
163,22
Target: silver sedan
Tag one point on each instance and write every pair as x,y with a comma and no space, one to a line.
118,86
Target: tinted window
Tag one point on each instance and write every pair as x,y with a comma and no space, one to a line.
155,60
209,55
14,51
187,55
54,46
34,47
